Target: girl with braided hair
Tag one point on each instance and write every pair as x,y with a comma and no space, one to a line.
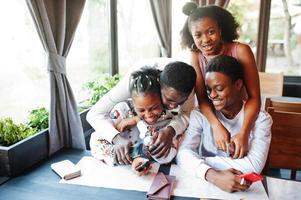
143,115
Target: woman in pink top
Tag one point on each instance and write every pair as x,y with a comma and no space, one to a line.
210,31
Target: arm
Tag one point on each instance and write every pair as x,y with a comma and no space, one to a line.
221,135
177,126
189,159
223,171
227,180
188,156
180,122
161,145
127,123
259,148
110,134
168,158
252,106
98,116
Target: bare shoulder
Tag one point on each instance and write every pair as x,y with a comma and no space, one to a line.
243,48
245,54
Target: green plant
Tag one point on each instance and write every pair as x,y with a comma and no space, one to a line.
11,133
38,118
101,86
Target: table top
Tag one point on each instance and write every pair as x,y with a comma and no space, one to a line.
283,189
41,182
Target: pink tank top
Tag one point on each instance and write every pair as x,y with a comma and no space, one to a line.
230,49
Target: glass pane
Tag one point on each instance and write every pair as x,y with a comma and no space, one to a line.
24,82
246,14
284,40
89,54
137,35
178,21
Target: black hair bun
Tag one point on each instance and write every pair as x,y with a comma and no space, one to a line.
189,7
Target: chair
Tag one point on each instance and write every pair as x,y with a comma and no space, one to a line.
279,105
271,84
285,148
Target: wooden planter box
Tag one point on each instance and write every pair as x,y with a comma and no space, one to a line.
20,156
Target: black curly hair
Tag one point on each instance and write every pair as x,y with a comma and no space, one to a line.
227,65
224,19
178,75
145,80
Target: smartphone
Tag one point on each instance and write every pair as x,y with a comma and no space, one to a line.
252,177
143,166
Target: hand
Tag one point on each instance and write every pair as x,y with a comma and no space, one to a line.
221,137
227,180
126,124
122,150
141,166
240,141
161,142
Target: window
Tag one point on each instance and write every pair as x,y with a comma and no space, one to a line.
246,14
284,39
178,21
137,35
24,81
89,54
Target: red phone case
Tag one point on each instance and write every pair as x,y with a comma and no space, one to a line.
252,177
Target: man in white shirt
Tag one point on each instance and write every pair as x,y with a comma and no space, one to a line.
198,154
177,81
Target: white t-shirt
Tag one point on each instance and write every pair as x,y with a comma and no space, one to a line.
198,152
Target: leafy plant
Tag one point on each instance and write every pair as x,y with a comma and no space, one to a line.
11,133
101,86
38,118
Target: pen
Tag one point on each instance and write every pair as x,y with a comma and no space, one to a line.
242,181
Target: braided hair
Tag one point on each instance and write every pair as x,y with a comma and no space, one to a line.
145,80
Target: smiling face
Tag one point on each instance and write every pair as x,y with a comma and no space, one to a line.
148,107
172,98
224,93
207,36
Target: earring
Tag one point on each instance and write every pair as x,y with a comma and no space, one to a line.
193,47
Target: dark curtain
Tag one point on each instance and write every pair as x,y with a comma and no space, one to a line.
56,23
161,10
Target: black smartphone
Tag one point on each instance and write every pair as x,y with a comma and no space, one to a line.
143,166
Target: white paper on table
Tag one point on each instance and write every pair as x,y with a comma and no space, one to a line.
96,173
283,189
190,186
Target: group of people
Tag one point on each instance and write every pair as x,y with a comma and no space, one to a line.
152,113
